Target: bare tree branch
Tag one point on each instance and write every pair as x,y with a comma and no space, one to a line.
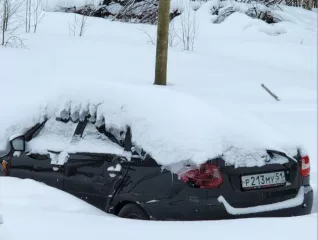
10,21
78,26
38,14
189,26
152,40
270,92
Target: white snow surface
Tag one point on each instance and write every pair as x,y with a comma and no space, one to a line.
204,112
32,210
229,63
117,168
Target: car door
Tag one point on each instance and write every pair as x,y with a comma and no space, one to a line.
20,166
94,177
37,167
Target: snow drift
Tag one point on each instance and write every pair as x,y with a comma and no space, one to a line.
37,210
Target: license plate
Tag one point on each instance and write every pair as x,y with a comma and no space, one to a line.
264,180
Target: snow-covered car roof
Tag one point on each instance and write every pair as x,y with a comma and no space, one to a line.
171,126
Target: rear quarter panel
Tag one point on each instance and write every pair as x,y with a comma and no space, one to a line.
160,193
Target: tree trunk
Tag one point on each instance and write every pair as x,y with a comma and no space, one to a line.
310,4
162,42
29,23
4,22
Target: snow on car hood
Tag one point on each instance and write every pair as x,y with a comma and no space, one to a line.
171,126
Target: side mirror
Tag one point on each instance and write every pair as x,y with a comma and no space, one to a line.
18,144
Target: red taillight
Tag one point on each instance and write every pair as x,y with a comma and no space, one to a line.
305,166
208,176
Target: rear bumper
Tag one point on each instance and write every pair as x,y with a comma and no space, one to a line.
300,205
217,209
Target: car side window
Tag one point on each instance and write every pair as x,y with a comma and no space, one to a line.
53,136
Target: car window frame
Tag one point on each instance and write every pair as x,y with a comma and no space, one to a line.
32,155
101,156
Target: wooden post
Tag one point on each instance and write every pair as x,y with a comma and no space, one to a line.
162,42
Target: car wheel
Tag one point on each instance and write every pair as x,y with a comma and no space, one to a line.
133,211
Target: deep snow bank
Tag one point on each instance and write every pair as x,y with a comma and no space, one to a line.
171,126
37,210
35,196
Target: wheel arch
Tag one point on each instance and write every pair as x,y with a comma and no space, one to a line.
120,205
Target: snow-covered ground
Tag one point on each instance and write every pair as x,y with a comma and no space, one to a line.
34,211
229,63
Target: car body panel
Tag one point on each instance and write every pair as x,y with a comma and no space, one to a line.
108,182
161,194
37,167
87,177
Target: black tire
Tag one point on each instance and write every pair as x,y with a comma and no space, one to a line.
133,211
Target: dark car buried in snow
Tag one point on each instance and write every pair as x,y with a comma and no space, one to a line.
140,188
